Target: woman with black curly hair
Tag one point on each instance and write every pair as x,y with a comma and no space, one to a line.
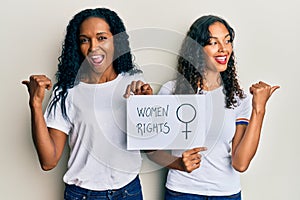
206,66
87,107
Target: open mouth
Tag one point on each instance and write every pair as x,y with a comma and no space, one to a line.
96,59
221,59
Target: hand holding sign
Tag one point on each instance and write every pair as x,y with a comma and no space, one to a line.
158,121
138,88
191,159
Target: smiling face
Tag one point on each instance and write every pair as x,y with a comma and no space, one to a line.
219,48
96,44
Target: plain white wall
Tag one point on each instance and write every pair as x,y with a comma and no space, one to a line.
266,46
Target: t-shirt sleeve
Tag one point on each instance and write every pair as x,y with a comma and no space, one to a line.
244,111
167,88
54,117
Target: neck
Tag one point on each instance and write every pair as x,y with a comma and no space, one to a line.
108,75
212,81
97,78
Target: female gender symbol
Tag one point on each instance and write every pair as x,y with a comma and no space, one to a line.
185,107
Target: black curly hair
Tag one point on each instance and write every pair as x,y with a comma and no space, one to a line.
71,57
191,62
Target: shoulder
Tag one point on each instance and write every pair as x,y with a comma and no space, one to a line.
244,107
167,88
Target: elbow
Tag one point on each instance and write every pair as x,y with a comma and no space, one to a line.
240,167
150,154
47,166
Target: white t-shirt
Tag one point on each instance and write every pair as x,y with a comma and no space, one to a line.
97,135
216,176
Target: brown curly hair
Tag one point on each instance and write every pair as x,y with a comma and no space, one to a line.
71,57
191,62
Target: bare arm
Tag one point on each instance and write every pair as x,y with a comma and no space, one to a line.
189,161
49,143
246,139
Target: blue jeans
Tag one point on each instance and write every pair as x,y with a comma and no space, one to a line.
132,191
172,195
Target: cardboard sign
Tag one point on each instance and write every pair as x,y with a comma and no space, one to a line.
165,122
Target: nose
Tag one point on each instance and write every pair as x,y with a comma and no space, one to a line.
94,45
222,47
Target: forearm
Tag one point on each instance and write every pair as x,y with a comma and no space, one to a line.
165,159
43,142
247,147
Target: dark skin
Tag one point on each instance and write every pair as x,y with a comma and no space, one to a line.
245,141
246,138
49,142
189,161
138,88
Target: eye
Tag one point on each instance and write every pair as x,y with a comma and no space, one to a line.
101,38
212,43
228,41
83,40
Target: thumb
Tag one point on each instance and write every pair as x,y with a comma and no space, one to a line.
273,89
25,83
147,89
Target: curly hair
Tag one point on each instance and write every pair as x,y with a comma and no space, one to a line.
71,57
192,62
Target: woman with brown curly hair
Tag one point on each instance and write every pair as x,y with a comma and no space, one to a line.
87,109
206,66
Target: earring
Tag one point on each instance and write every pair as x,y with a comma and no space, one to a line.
198,87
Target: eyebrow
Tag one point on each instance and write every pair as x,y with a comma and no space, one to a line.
217,38
100,33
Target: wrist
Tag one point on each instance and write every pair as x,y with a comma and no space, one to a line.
35,105
179,164
259,111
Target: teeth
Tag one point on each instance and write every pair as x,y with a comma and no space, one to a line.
97,58
221,58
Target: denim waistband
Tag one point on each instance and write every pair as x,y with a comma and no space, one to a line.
85,191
